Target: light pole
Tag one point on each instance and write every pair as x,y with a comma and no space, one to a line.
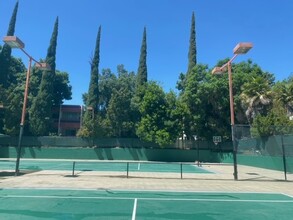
241,48
15,42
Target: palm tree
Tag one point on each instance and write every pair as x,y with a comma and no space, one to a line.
256,97
284,95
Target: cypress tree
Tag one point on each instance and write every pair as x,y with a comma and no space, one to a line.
5,62
5,55
91,124
142,73
192,45
93,92
40,114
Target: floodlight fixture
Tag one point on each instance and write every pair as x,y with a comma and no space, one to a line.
242,48
13,42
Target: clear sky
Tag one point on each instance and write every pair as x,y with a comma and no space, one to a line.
220,25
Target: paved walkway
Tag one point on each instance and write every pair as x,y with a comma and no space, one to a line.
250,180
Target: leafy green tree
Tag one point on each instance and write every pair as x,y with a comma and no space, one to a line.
107,82
13,110
40,113
119,112
244,73
142,74
62,88
156,124
6,94
276,122
205,98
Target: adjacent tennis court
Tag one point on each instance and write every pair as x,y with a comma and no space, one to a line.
76,167
114,204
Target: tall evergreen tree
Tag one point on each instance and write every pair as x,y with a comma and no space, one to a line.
93,92
142,73
5,55
40,114
91,121
192,46
192,61
5,62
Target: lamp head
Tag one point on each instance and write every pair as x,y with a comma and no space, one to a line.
43,66
242,48
219,70
13,42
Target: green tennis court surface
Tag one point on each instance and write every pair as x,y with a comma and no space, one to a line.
114,204
102,166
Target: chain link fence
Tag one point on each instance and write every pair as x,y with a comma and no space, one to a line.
269,149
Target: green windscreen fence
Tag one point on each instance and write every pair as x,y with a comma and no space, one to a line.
114,149
269,148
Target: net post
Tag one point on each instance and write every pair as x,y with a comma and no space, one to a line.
181,169
235,174
73,168
127,170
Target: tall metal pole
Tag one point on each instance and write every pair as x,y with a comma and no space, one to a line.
241,48
284,157
232,120
23,116
59,120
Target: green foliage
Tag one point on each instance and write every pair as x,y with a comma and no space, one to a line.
256,97
13,109
192,46
92,127
142,67
283,92
40,112
13,97
157,123
107,82
276,122
206,101
119,112
61,88
93,92
127,105
5,54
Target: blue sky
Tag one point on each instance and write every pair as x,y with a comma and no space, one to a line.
220,25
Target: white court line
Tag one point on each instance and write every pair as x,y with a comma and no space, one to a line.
154,199
145,190
287,195
134,209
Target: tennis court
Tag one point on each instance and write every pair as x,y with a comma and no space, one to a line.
117,204
76,166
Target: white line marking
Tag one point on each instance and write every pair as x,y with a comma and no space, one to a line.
287,195
134,209
145,190
155,199
138,166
